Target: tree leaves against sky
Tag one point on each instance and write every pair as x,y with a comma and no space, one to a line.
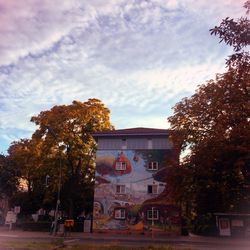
62,140
214,124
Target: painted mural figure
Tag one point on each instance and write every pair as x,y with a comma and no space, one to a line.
128,191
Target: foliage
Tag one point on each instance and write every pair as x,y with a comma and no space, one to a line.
40,226
205,224
25,157
60,157
235,33
8,183
8,178
214,125
68,149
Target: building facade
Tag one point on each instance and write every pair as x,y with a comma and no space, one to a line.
130,188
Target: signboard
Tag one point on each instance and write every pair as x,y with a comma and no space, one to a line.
237,223
247,232
10,217
87,226
17,209
224,226
35,217
41,211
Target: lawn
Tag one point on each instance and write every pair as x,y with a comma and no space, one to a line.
58,244
30,245
116,247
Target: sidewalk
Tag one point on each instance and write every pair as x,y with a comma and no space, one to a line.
16,234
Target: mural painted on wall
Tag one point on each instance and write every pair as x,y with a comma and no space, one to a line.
128,191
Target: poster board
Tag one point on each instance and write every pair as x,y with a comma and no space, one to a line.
10,217
87,226
17,209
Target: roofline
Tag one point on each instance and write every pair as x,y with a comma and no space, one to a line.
132,132
128,134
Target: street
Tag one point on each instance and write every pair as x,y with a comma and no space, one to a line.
18,238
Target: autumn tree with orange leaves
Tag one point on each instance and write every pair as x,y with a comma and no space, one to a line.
214,125
62,145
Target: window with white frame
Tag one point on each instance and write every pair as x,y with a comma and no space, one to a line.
120,189
120,213
152,214
152,189
153,165
120,165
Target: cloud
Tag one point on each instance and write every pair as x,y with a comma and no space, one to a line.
35,26
138,57
32,26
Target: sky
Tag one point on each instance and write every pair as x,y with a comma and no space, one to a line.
139,57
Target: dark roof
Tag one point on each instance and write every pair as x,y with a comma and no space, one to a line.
132,132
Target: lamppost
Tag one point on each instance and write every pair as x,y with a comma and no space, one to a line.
152,223
58,195
50,130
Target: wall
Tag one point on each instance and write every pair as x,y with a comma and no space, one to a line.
128,210
133,143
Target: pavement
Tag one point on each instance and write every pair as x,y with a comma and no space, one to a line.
191,240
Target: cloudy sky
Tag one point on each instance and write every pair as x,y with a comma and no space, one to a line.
139,57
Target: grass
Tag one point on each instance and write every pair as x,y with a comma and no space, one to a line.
31,245
116,247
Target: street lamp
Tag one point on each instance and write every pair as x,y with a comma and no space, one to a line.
58,194
152,223
50,130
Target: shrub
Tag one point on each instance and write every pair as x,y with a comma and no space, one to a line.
36,226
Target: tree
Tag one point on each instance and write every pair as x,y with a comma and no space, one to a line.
65,132
8,182
214,124
236,34
25,158
24,155
8,177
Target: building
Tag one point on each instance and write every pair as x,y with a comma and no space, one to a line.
130,188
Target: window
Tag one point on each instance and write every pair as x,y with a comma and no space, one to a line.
120,213
152,214
120,189
120,165
153,165
152,189
124,144
150,144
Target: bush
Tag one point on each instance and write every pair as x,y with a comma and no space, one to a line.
43,226
205,225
